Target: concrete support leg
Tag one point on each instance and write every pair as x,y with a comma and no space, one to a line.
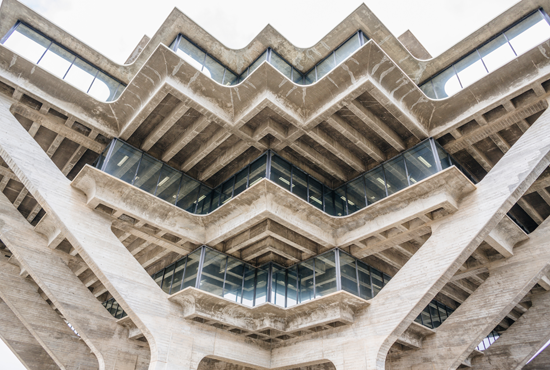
50,330
541,362
108,340
521,341
22,343
509,281
453,240
175,343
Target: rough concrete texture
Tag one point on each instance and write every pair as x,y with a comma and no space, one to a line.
22,343
50,269
521,341
541,362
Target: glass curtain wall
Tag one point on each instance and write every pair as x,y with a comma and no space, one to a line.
228,277
504,47
62,63
135,167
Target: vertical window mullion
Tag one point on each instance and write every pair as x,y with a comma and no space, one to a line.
458,78
89,87
436,155
184,270
137,168
172,279
199,272
508,41
482,61
225,275
45,51
406,170
357,277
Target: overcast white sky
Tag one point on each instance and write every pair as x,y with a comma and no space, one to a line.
114,27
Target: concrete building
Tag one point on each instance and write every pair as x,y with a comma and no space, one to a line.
354,205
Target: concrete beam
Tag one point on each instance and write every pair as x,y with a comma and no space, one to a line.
163,127
190,133
315,157
220,136
22,343
336,148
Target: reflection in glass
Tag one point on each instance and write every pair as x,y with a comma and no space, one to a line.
315,193
213,272
178,275
188,194
325,274
191,269
355,191
347,49
262,276
278,288
248,286
213,69
305,281
148,174
299,183
281,65
123,162
257,63
234,279
365,287
240,181
280,172
190,53
291,287
349,274
326,66
396,175
227,190
168,275
420,162
375,185
257,170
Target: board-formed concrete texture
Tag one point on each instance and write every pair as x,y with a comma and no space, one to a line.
276,207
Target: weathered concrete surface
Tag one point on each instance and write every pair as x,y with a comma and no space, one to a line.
519,343
50,330
21,342
541,362
509,281
453,240
49,268
174,343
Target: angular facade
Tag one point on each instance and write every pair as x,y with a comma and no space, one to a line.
354,205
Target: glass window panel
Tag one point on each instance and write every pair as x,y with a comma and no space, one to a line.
325,66
109,304
297,76
291,287
340,201
349,273
234,279
227,190
444,158
355,195
213,69
310,77
529,33
190,53
119,91
178,275
204,198
261,284
248,287
315,193
387,279
365,288
158,277
496,53
81,75
123,162
420,162
347,49
230,78
395,175
169,183
377,282
213,271
215,198
148,174
167,282
27,43
426,318
299,183
329,201
119,312
435,316
114,308
57,61
280,172
428,89
305,280
281,65
418,319
240,181
376,186
243,76
104,87
257,63
470,69
257,170
442,312
446,83
187,196
325,274
190,278
278,287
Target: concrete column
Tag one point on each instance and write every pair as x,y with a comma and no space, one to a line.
175,343
453,240
520,341
108,340
509,281
22,343
541,362
50,330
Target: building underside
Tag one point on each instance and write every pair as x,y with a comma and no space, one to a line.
353,205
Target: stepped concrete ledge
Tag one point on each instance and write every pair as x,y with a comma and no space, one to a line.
411,208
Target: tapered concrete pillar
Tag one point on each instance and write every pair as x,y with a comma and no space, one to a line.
22,343
541,362
509,281
108,340
521,341
175,343
50,330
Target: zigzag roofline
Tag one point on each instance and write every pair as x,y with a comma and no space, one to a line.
302,58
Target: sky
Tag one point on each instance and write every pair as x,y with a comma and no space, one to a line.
114,28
